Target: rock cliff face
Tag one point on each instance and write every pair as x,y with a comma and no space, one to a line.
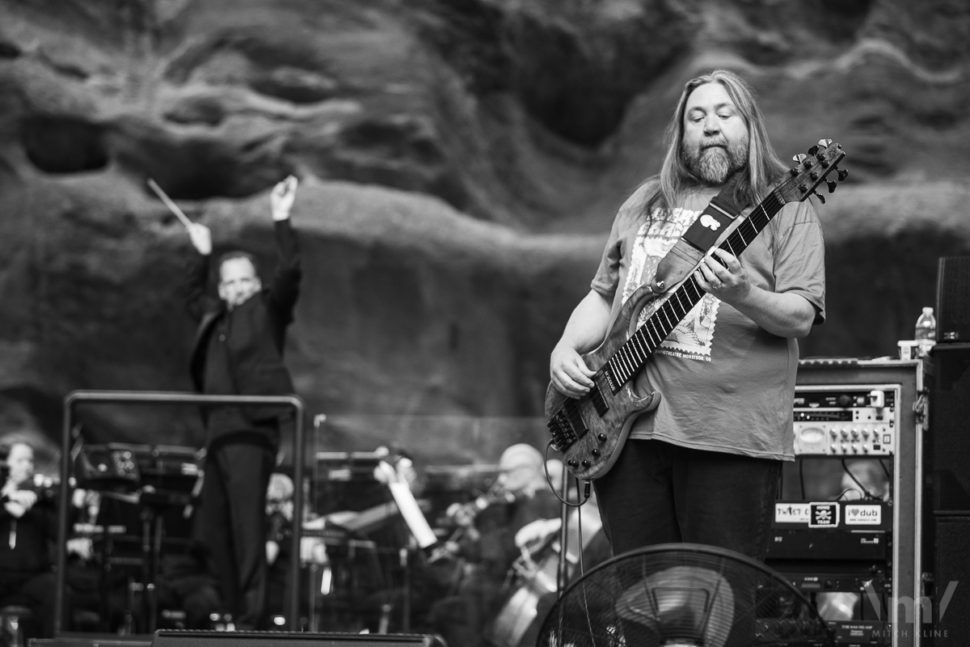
460,160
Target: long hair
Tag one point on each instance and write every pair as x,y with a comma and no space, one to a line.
763,165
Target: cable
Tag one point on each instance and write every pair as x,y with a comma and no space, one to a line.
866,493
564,497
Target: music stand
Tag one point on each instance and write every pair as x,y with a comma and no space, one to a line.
120,473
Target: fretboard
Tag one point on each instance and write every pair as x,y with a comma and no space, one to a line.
631,357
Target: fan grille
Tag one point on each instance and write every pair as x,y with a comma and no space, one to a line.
688,595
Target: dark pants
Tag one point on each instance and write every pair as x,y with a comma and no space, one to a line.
658,493
661,493
36,591
232,523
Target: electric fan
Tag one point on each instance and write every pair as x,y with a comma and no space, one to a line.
682,595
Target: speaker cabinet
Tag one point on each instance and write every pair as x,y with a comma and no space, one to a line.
953,299
950,626
179,638
948,443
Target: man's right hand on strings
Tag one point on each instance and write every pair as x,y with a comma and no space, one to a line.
569,373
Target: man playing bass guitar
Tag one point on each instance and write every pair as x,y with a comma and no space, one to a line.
703,464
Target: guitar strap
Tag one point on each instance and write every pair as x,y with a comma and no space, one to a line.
697,241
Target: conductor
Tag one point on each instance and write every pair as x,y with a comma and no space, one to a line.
238,350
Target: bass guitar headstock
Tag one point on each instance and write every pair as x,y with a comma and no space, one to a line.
819,164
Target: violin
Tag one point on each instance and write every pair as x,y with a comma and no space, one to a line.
465,513
44,487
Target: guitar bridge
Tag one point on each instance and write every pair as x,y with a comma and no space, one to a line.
567,426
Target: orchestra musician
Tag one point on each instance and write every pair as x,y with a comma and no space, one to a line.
488,547
28,532
279,515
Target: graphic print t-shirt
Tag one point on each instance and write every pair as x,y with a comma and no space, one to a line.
725,384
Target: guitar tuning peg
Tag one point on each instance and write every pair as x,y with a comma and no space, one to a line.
843,174
825,143
813,150
831,184
821,198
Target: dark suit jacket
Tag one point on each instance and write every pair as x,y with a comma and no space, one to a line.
259,325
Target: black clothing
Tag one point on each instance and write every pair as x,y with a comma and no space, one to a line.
249,360
233,526
25,543
26,567
465,618
240,352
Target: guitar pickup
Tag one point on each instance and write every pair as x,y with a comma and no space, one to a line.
599,402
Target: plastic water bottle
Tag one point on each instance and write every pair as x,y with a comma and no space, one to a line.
925,331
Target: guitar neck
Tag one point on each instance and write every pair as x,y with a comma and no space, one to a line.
630,358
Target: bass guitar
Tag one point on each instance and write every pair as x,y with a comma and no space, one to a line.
591,431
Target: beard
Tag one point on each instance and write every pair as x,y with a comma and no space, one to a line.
714,165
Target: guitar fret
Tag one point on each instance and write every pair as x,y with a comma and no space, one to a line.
622,369
635,355
670,313
624,360
683,309
737,241
638,342
692,284
630,357
660,324
690,303
615,371
666,321
619,369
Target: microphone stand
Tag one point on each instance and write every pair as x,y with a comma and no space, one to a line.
561,574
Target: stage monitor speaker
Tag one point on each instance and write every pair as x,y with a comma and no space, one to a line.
184,638
953,299
951,583
947,447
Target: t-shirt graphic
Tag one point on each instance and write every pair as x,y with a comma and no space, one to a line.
692,337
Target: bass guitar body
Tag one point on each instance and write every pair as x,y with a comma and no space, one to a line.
591,431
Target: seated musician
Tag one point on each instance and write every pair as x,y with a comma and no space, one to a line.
279,515
28,532
521,495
